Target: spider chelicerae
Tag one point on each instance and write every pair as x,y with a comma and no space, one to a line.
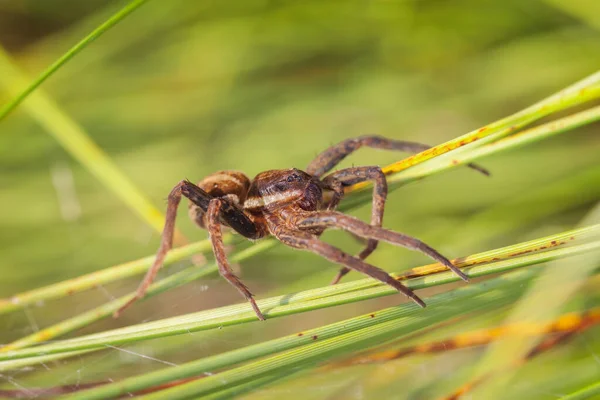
289,205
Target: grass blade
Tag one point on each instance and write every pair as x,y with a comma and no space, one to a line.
105,310
518,140
85,282
95,34
446,305
558,282
581,92
274,307
584,393
76,141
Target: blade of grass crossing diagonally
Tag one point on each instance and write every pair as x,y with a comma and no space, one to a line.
55,66
583,91
94,279
68,325
208,320
588,392
518,140
75,140
451,160
566,323
558,282
446,305
399,320
107,309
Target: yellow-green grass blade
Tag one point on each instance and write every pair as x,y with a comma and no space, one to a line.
55,66
389,323
279,306
26,362
543,301
581,92
238,390
105,310
94,279
588,392
77,142
451,160
575,236
518,140
294,341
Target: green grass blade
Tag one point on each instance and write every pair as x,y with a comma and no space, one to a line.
587,392
401,322
243,313
576,236
95,34
543,301
85,282
107,309
581,92
518,140
235,391
395,317
75,140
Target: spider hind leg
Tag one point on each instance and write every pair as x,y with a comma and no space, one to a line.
306,241
337,220
351,176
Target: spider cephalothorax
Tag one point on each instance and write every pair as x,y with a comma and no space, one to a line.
289,205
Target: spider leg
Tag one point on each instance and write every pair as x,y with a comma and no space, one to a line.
334,219
214,230
166,243
351,176
336,153
231,215
306,241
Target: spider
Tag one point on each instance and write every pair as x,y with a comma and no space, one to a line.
289,205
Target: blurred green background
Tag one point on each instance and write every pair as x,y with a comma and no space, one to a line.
180,89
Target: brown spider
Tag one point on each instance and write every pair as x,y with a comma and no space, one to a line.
289,205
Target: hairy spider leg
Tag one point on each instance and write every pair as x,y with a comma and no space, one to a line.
213,213
351,176
307,241
334,219
229,214
332,156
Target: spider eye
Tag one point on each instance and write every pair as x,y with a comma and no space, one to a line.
280,187
294,177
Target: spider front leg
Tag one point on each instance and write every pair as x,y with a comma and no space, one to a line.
334,219
230,214
351,176
166,243
336,153
213,214
306,241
